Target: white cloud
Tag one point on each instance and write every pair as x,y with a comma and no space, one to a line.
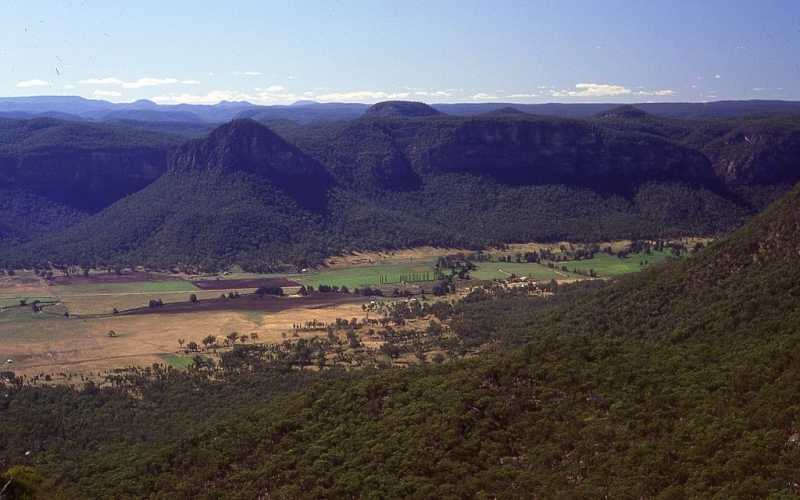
69,86
438,93
149,82
190,82
360,96
33,83
759,89
247,73
481,96
102,81
522,96
605,90
657,93
213,97
272,88
106,93
592,90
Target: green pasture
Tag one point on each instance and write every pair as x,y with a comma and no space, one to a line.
610,265
182,362
366,275
132,287
502,270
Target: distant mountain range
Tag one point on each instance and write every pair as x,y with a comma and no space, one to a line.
78,108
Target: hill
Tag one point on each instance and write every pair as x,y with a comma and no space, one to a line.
400,109
678,382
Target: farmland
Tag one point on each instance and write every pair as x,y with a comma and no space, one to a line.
63,326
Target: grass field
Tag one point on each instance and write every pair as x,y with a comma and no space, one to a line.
180,361
502,270
366,274
120,288
610,265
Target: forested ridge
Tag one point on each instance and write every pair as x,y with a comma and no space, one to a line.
677,382
266,197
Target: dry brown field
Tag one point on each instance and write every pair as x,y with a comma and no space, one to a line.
48,343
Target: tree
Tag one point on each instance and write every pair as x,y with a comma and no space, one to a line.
254,336
181,342
243,338
209,340
192,346
112,334
192,298
21,481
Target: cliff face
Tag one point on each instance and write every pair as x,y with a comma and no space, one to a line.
88,180
755,159
522,151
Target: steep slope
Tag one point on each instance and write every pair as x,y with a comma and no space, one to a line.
240,195
679,382
645,390
27,216
84,166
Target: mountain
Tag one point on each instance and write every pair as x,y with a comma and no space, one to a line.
677,382
241,194
84,166
380,182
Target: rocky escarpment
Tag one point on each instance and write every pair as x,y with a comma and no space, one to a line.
87,180
528,150
745,158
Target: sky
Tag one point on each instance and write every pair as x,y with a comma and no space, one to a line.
433,51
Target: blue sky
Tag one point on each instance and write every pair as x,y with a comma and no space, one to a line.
433,51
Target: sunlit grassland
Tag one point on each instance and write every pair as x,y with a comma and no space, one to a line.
502,270
353,277
611,265
183,362
131,287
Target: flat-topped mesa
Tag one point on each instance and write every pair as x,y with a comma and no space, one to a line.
401,109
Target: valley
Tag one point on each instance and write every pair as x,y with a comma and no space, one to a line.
72,342
355,308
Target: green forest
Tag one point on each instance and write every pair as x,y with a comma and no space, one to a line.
676,382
